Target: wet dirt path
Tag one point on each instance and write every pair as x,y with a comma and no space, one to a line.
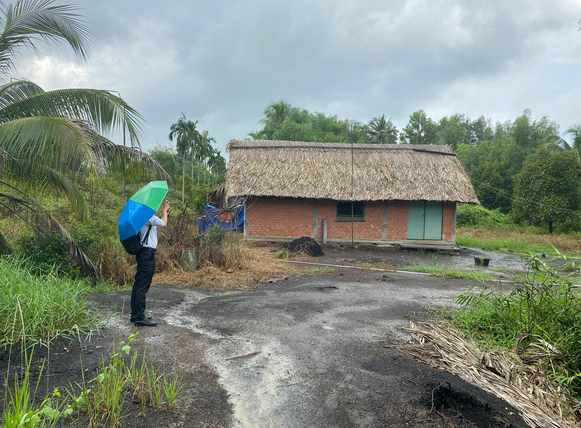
305,352
315,352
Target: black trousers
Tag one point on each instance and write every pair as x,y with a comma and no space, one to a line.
143,276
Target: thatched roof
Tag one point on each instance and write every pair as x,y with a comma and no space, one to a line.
324,170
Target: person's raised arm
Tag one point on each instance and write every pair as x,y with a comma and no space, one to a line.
165,213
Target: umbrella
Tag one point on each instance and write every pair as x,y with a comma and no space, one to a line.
139,209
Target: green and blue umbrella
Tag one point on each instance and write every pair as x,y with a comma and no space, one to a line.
140,208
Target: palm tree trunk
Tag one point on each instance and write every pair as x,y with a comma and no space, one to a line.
183,176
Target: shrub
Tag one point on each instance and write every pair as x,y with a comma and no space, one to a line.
541,318
216,247
212,247
478,216
45,255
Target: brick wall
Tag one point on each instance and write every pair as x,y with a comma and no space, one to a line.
448,217
397,220
279,217
293,218
368,229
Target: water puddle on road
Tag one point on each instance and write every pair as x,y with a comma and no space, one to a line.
255,372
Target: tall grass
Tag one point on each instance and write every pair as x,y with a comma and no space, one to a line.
540,319
510,245
39,308
518,241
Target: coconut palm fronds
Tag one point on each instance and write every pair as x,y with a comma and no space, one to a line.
540,402
42,223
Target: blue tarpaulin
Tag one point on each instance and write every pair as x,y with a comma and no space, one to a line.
227,219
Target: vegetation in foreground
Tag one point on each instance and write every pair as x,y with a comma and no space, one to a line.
100,400
540,320
38,308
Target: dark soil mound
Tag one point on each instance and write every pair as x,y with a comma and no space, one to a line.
305,245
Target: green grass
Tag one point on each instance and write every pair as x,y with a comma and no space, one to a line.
449,273
512,245
544,308
39,308
315,271
283,254
509,245
103,397
20,410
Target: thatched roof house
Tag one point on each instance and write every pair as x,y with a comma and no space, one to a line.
316,172
323,171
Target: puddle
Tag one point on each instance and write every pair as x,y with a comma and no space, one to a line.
465,260
462,260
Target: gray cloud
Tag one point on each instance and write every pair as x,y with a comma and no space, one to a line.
223,62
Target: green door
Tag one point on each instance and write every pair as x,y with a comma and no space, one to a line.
433,221
416,216
424,220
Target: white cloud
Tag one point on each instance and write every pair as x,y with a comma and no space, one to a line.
52,73
223,62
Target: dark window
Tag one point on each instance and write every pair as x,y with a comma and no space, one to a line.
344,211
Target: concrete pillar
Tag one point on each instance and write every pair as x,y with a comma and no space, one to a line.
385,220
315,219
454,223
324,231
246,221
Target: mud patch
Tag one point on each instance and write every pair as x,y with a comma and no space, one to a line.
464,409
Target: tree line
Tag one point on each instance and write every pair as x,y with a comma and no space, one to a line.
193,163
524,168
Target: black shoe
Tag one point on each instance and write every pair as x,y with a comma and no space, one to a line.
145,322
133,319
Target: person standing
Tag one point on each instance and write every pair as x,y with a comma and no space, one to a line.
146,267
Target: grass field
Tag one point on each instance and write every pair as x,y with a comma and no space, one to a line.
519,242
37,308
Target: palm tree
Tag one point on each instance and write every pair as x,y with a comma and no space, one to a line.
382,131
274,115
204,150
44,136
217,165
575,132
185,133
51,140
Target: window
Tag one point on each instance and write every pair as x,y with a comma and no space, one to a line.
344,211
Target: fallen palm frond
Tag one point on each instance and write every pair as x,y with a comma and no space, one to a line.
540,402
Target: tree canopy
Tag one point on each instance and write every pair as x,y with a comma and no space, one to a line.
493,154
546,190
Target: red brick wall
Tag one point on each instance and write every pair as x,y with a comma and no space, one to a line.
397,220
293,218
368,229
279,217
448,221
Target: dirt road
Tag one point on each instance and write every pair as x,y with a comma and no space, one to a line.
314,352
306,352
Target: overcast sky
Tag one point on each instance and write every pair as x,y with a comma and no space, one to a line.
223,62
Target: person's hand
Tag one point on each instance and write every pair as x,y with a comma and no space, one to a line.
166,207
